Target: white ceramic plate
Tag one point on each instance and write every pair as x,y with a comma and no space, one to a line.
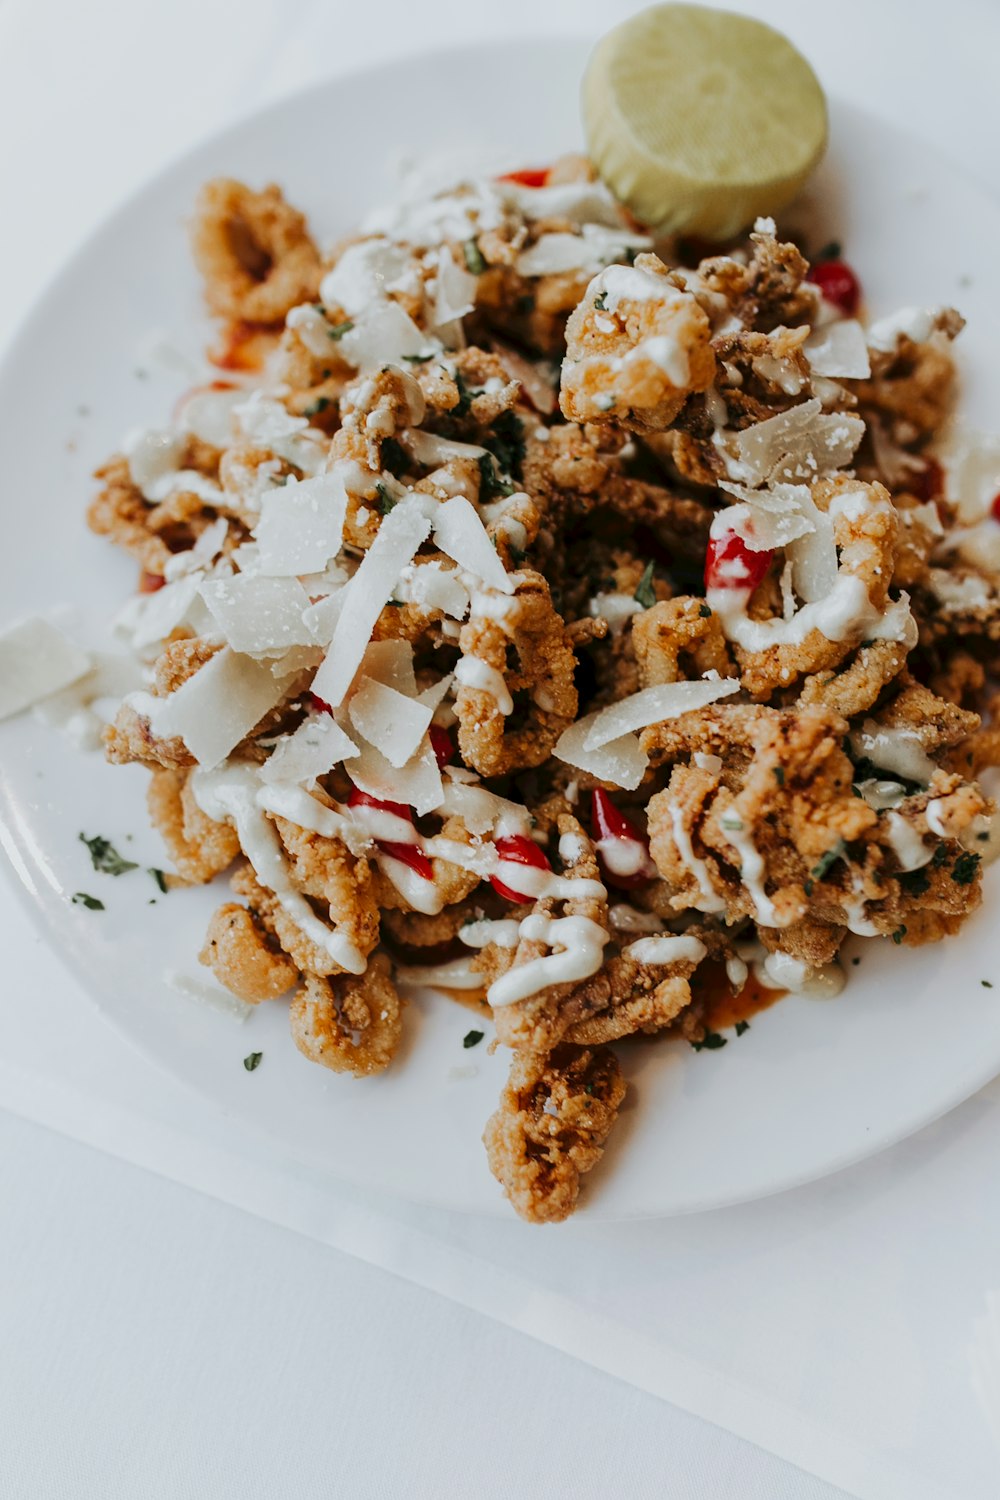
812,1086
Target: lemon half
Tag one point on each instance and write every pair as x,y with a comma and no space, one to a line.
699,120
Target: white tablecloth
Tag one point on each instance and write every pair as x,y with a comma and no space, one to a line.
157,1342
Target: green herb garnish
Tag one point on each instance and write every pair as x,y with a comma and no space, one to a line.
393,457
491,484
419,359
473,257
830,251
160,878
386,502
601,302
899,935
506,443
963,871
464,396
711,1040
987,984
704,612
915,882
472,1038
644,594
826,861
778,773
252,1061
105,857
315,407
339,329
742,1026
90,902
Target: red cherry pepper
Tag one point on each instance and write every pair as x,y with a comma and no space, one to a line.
444,750
533,177
995,508
520,850
408,854
928,482
358,798
611,825
150,582
730,564
838,284
320,704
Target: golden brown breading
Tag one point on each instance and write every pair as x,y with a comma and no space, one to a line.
254,252
352,1024
555,1115
244,957
199,847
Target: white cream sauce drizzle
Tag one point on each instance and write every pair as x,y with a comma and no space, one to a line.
709,899
229,795
906,843
505,932
893,749
666,950
578,945
779,971
752,876
475,673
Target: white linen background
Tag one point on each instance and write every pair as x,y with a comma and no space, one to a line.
155,1343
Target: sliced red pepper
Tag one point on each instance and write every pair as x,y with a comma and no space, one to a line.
358,798
519,850
320,704
995,508
838,284
730,563
444,750
533,177
928,483
150,582
610,826
408,854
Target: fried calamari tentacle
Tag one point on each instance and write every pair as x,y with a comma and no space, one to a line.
244,956
351,1024
254,251
537,688
555,1115
636,348
199,847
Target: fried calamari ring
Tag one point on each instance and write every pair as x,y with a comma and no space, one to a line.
554,1118
244,957
352,1024
254,252
636,348
199,847
523,626
773,652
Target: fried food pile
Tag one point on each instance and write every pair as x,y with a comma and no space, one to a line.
533,613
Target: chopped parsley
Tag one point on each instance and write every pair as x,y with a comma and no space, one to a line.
899,935
855,961
90,902
830,251
252,1061
419,359
778,773
386,502
506,442
987,984
644,594
472,1038
601,302
491,484
826,861
939,856
711,1040
517,555
473,257
704,612
339,329
315,407
105,857
464,396
742,1026
963,871
159,877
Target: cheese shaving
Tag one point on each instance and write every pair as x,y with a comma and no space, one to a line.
217,707
462,536
301,526
259,616
36,659
316,747
667,700
622,761
389,720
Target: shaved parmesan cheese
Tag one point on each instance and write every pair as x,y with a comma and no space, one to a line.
391,663
316,747
389,720
365,272
917,323
799,444
217,707
259,616
839,350
418,783
36,659
384,335
594,247
153,454
268,425
320,619
481,810
667,700
208,415
460,534
301,526
435,587
622,762
313,329
399,536
768,518
437,692
456,290
152,617
428,448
